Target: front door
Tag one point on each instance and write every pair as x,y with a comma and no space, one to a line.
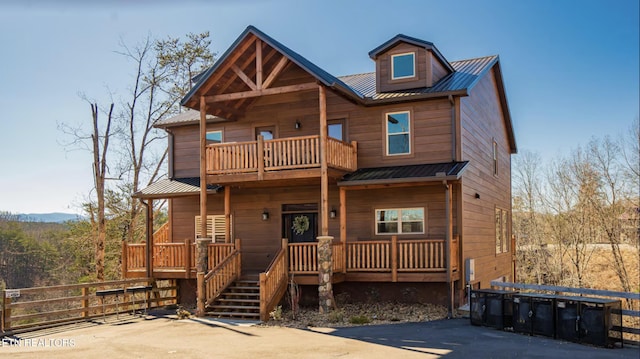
300,223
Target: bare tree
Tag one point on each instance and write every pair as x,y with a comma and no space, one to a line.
163,72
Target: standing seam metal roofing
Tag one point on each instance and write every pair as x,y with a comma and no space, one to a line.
449,169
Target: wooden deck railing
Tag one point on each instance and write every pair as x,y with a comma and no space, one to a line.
423,255
42,307
162,234
278,154
220,277
273,282
171,257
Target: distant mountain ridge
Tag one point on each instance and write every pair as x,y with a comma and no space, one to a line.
55,217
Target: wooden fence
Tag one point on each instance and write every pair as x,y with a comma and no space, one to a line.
273,282
33,308
630,316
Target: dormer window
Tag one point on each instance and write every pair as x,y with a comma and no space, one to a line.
403,66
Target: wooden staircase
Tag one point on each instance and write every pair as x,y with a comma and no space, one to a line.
241,300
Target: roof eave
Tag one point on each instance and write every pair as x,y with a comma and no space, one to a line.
368,101
399,180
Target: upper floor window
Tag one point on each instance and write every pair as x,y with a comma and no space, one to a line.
495,157
214,137
336,129
403,66
400,221
398,126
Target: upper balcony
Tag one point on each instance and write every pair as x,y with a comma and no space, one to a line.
269,159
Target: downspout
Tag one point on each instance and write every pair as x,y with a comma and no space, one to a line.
453,128
447,246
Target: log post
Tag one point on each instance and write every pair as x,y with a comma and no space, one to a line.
6,312
202,253
124,259
85,302
149,237
394,258
325,274
187,258
324,179
261,157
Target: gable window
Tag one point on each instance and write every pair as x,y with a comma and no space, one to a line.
502,231
403,66
214,137
495,157
400,221
398,125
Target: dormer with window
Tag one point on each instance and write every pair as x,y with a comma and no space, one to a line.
405,62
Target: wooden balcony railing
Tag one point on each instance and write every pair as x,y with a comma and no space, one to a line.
424,255
278,154
273,282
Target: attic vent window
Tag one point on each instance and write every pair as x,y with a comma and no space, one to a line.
403,66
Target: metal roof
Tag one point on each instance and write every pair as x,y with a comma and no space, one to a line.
175,188
321,75
189,116
467,73
404,174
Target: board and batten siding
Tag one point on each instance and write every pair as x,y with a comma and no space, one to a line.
482,122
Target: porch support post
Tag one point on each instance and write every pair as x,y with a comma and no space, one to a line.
447,246
343,227
203,167
324,179
202,253
150,242
325,274
227,214
202,243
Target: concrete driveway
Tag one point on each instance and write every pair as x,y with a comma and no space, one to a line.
165,337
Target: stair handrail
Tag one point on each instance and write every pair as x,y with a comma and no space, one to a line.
273,282
222,275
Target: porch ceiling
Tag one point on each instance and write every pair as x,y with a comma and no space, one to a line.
176,187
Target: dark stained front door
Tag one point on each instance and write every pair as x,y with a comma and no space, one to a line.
294,227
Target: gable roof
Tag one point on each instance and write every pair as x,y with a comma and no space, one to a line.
361,88
321,75
373,54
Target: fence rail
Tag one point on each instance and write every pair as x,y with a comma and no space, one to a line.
273,282
631,317
33,308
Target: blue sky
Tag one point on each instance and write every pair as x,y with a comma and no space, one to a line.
570,67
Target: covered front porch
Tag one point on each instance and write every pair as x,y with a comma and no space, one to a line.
394,260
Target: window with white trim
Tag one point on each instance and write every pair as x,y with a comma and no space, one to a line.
403,66
398,127
400,221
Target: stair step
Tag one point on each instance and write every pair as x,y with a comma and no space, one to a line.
238,300
245,307
241,294
244,288
233,315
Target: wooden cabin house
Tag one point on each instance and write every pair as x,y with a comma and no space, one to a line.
377,184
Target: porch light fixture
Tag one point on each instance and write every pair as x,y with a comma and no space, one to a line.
298,125
333,213
265,215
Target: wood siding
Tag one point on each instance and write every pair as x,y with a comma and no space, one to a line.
482,122
430,136
384,83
